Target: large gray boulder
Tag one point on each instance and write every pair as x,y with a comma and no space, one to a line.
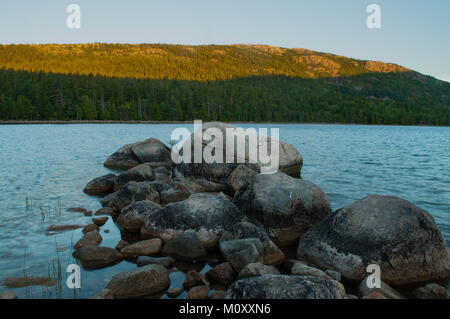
205,215
132,217
186,247
130,193
285,287
140,173
150,151
285,207
272,255
101,185
384,230
143,281
290,160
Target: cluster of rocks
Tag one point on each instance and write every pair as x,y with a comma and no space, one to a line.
183,212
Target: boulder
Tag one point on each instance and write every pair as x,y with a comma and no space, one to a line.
384,230
95,257
167,262
431,291
299,204
144,281
132,217
193,279
375,295
104,294
186,247
241,252
257,269
199,292
140,173
285,287
272,255
130,193
142,248
335,275
122,244
241,177
222,274
101,185
206,215
290,160
150,151
305,270
385,290
92,238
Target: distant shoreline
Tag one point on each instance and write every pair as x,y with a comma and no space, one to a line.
23,122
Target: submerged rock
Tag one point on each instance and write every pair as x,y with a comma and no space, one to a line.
108,211
100,221
241,252
144,281
19,282
55,229
132,217
186,247
140,173
384,230
92,238
286,207
285,287
95,257
101,185
8,295
206,215
150,151
90,227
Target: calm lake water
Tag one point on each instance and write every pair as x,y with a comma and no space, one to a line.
44,169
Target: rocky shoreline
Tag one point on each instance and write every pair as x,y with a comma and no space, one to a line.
170,213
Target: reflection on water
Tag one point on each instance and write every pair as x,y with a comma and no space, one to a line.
45,168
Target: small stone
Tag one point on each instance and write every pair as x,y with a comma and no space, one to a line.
167,262
431,291
108,211
241,252
221,274
218,294
374,295
194,278
77,210
257,269
92,238
199,292
89,228
100,221
174,292
143,248
121,244
95,257
186,247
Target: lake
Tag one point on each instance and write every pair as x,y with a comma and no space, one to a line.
44,169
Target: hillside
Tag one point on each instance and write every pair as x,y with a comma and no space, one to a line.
216,82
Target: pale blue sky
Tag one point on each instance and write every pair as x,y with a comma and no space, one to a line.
414,33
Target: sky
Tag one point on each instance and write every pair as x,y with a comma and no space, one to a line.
413,33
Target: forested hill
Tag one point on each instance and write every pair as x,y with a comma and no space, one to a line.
227,83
